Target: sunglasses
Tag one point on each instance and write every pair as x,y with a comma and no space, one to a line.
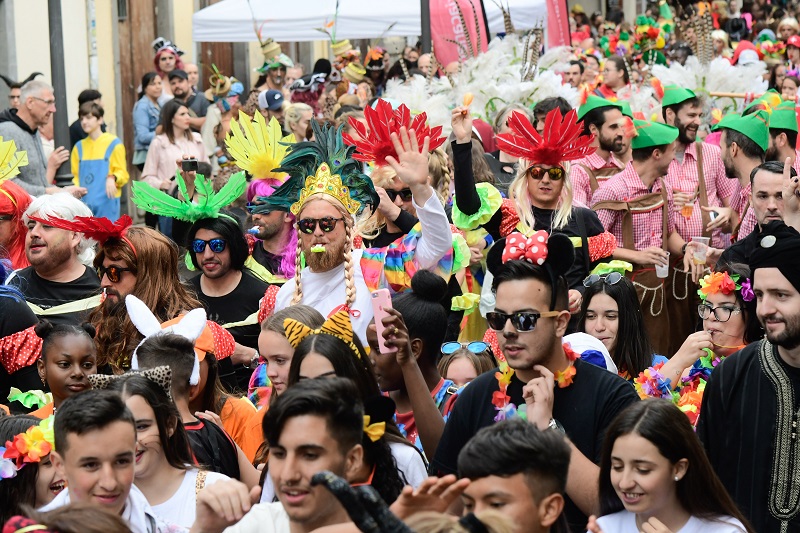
521,320
216,245
113,272
474,347
612,278
404,194
309,225
537,173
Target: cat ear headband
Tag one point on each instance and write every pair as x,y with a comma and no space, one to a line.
189,327
161,375
338,325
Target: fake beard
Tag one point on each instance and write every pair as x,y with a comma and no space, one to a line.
322,258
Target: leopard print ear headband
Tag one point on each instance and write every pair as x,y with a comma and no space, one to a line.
161,375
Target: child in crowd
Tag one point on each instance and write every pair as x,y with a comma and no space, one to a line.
95,439
25,480
98,164
164,471
655,475
212,447
68,358
463,362
74,518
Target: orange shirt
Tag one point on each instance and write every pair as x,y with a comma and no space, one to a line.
44,412
237,415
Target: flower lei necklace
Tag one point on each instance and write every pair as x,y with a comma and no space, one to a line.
502,401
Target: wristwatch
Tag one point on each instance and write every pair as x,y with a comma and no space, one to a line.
555,424
254,360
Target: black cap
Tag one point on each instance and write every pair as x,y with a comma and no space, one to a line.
178,73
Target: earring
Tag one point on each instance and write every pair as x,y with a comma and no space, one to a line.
677,478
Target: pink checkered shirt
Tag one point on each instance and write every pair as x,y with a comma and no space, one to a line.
581,185
647,227
683,177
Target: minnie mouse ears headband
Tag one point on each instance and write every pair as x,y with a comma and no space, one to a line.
554,253
189,327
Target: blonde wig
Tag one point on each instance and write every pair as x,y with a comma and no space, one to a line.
518,192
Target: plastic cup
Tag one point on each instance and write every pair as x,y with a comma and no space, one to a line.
662,271
700,250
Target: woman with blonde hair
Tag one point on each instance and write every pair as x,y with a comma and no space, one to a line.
722,45
296,120
540,197
787,28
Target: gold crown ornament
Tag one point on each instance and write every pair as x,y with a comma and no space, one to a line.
326,184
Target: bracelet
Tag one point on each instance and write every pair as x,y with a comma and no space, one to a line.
254,360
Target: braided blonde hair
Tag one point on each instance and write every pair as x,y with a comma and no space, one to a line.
439,171
518,191
298,289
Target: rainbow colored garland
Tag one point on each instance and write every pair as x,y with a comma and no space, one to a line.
27,447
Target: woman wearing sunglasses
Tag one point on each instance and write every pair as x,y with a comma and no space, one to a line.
462,362
396,214
610,312
540,197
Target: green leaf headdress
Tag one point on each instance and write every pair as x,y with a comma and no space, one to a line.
325,167
208,205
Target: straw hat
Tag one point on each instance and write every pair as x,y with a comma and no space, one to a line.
354,72
219,87
341,47
270,49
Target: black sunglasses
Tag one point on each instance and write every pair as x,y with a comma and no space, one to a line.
216,245
309,225
521,320
537,173
113,272
404,194
612,278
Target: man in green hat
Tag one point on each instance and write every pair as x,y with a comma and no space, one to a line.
744,143
634,206
603,119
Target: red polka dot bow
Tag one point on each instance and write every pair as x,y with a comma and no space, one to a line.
532,249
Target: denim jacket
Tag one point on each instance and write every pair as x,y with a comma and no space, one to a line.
145,120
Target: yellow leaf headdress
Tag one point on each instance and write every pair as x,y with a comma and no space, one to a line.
258,147
10,159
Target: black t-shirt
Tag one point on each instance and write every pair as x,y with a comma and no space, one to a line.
585,409
235,306
270,261
47,294
213,448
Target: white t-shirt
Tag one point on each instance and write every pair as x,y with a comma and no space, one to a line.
625,522
180,509
409,462
263,518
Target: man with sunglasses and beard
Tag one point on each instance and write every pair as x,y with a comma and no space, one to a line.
545,382
634,206
603,119
229,291
58,286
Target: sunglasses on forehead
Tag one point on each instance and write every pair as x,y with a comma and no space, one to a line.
474,347
404,194
612,278
309,225
216,245
113,272
537,173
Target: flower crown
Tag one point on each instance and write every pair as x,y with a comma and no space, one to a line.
722,282
27,447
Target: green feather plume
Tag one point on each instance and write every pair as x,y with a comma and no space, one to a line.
306,157
209,203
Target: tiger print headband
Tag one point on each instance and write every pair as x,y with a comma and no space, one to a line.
338,325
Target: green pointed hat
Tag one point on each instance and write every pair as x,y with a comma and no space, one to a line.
755,127
625,107
593,102
675,94
783,117
650,134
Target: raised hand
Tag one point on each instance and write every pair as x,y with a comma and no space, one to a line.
434,494
791,196
411,164
461,122
538,395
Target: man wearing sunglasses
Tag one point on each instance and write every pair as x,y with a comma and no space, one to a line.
229,291
58,286
634,206
530,319
603,119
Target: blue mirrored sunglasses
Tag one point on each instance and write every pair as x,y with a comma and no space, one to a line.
474,347
216,245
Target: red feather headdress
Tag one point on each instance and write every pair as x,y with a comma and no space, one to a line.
99,229
376,144
562,140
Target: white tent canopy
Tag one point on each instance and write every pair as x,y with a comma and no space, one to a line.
295,21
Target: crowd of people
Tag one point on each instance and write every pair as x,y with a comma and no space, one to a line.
351,310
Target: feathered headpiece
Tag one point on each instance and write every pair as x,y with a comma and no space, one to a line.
209,204
324,166
99,229
375,143
562,140
258,147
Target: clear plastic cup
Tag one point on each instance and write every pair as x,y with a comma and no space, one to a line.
700,250
662,271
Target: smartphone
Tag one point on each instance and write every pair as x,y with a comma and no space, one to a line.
713,214
381,301
189,165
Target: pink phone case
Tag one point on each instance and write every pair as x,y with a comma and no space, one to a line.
382,300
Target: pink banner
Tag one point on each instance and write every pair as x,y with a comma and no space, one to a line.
557,23
446,26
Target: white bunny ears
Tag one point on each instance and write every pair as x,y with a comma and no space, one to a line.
191,326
